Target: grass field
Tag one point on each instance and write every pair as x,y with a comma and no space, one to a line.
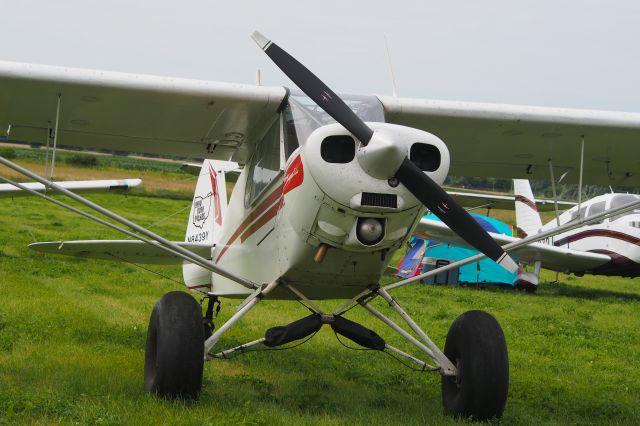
72,336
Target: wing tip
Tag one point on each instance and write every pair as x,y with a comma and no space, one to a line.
44,246
260,40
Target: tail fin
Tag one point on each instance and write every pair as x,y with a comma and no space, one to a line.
527,217
205,220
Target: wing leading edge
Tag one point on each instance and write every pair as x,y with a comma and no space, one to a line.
77,186
120,250
554,258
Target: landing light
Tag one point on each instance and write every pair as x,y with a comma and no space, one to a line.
370,230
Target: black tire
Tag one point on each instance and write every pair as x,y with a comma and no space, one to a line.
174,357
476,345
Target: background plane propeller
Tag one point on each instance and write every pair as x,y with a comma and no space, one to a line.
415,180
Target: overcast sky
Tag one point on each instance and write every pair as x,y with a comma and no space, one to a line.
582,54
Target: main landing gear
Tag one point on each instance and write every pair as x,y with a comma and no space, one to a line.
476,344
173,361
474,365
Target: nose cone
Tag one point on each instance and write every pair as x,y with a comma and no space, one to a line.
381,158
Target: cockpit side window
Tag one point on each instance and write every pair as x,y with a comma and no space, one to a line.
596,208
290,134
619,201
265,164
578,214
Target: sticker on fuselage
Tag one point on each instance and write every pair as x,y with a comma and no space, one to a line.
201,210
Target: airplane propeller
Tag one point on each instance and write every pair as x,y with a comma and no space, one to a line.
415,180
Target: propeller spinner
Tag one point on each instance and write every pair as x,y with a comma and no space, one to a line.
400,166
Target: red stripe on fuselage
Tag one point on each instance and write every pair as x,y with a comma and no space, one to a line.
294,175
199,286
270,214
275,196
598,233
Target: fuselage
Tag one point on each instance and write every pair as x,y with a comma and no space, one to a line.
617,236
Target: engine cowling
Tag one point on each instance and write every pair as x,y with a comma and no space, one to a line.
363,206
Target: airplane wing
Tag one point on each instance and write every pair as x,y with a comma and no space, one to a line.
510,141
505,202
77,186
133,251
135,113
554,258
202,119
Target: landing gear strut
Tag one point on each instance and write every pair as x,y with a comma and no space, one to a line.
207,320
474,365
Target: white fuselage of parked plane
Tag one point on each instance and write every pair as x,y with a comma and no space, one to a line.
617,237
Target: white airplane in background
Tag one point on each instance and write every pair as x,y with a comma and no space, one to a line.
610,246
77,186
319,208
615,239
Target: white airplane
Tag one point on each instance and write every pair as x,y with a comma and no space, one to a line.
615,239
77,186
318,209
610,246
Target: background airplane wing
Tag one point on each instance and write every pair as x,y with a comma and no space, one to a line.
120,250
555,258
504,202
509,141
135,113
8,190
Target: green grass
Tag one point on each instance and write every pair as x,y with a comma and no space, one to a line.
72,336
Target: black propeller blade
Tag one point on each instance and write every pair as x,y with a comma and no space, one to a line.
419,184
313,87
451,213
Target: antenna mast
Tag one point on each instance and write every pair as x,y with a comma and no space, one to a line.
393,77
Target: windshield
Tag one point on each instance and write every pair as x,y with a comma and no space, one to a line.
303,116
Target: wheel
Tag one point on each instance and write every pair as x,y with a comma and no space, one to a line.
527,287
174,357
476,345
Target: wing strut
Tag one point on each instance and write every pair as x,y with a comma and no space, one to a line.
581,173
553,188
154,239
49,172
55,137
